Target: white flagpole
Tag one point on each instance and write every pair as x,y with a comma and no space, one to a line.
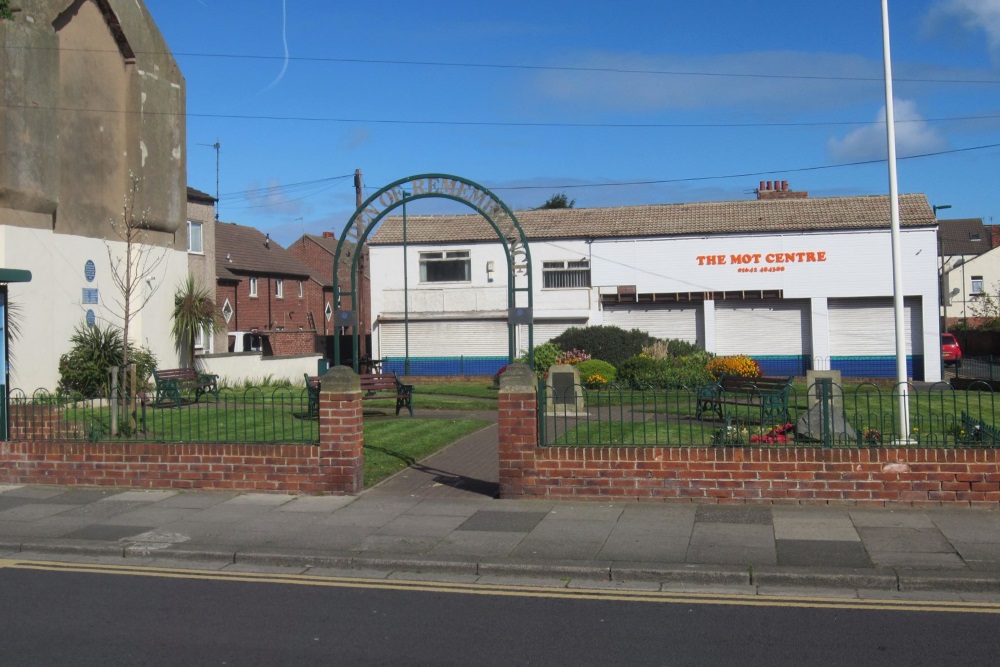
897,254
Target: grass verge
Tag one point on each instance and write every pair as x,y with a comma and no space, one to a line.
391,445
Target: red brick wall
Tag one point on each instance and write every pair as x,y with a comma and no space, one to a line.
334,466
290,343
914,477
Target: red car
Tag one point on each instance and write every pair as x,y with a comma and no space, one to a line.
950,351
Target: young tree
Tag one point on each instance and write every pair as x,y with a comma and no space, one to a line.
986,308
134,272
194,312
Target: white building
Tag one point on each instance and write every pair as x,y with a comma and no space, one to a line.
969,267
796,283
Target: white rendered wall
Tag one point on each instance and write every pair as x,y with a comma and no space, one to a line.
51,305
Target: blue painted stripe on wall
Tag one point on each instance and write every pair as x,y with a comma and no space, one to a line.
445,365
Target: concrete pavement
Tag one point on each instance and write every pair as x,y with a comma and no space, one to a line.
439,520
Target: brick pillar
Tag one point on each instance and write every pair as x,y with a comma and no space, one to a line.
518,426
341,437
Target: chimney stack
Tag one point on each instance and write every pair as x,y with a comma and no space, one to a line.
778,190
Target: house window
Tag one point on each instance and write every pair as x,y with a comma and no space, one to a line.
194,237
977,285
227,310
203,341
300,289
453,266
279,289
253,287
561,275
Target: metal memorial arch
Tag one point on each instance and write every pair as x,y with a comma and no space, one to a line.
442,186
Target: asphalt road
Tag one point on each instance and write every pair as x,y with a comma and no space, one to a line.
67,615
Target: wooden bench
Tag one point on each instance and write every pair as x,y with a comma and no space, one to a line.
766,395
978,432
171,384
373,385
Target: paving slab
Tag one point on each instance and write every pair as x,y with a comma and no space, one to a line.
502,522
396,544
890,518
37,492
829,553
141,496
898,539
732,535
813,527
409,525
738,514
34,511
485,544
320,504
196,499
733,555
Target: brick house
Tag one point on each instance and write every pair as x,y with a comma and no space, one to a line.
318,252
269,299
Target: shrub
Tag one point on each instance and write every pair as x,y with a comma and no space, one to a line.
546,355
596,367
739,365
84,369
688,371
612,344
639,372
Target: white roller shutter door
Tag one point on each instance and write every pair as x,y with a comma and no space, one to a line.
681,323
763,328
866,327
451,338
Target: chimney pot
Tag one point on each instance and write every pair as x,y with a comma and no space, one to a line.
784,185
761,186
328,235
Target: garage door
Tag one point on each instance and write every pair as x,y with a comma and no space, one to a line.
866,327
763,328
444,338
681,323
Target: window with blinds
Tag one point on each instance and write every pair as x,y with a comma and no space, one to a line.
563,275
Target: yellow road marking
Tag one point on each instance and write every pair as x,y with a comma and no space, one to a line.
510,590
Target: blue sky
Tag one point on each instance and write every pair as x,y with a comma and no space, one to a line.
611,103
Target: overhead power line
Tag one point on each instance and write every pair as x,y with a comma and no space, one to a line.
553,68
471,123
284,189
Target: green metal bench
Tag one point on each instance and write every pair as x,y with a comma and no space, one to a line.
766,396
373,385
173,382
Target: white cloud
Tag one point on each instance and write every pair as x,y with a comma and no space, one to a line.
972,15
913,136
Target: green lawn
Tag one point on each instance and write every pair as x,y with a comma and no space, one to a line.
393,444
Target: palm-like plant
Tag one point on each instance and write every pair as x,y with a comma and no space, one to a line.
194,312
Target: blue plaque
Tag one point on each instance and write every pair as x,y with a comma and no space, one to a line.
90,270
91,318
90,295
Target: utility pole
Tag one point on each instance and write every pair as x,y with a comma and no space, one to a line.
362,289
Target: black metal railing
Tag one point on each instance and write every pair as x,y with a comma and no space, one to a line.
266,415
820,415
